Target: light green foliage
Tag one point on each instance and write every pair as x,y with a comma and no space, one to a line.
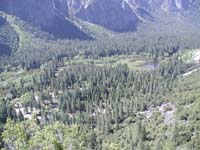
111,146
14,136
57,135
26,98
29,136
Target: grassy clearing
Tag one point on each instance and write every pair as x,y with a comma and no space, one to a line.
136,63
133,62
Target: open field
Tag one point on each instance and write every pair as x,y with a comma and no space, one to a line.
133,62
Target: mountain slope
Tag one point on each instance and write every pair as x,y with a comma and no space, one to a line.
57,16
115,15
8,38
126,15
43,14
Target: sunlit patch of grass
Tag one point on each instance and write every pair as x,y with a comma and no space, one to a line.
133,62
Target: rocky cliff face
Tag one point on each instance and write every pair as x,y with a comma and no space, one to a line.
117,15
174,5
123,15
49,15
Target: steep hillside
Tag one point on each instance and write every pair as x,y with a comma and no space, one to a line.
8,38
43,14
32,21
173,5
55,16
115,15
127,15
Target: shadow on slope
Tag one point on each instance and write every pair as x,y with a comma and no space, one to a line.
5,50
43,15
8,38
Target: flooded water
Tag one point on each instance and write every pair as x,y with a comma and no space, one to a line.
150,66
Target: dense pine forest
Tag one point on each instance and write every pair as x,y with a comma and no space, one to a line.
86,99
112,91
